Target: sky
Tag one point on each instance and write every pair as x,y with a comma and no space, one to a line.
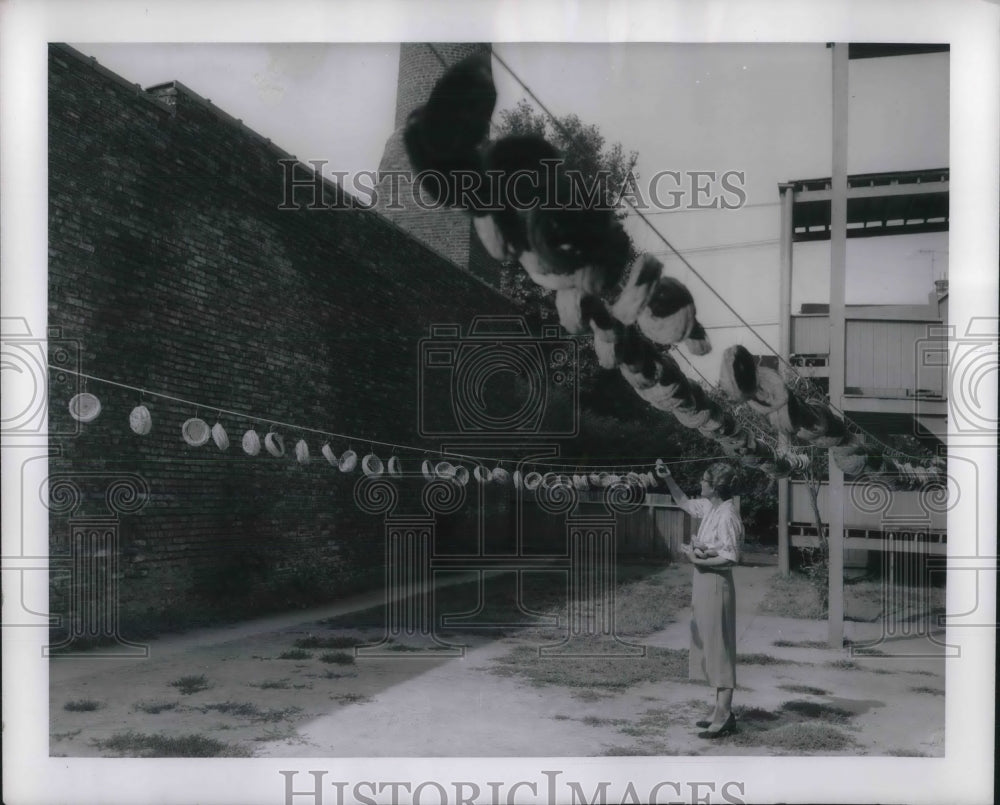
761,110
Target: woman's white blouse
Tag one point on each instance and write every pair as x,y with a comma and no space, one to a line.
721,527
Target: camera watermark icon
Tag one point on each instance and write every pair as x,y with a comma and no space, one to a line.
29,382
957,380
497,381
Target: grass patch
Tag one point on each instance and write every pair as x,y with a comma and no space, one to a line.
191,684
804,689
277,684
642,750
603,673
351,698
295,654
251,711
803,738
792,596
762,659
338,658
595,721
755,715
154,707
800,644
62,736
341,641
817,710
331,674
844,665
925,689
136,744
82,706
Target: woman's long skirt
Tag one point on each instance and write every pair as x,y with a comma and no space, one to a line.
713,628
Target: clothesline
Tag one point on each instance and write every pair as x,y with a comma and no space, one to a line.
556,462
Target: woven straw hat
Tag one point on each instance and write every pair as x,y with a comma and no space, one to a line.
348,461
517,479
481,474
140,420
532,480
371,465
500,475
251,443
770,393
445,470
329,455
428,471
461,475
84,407
302,451
394,468
580,482
220,437
274,444
195,432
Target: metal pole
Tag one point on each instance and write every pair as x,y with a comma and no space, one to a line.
787,193
838,282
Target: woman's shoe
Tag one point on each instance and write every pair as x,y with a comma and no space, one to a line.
703,724
725,729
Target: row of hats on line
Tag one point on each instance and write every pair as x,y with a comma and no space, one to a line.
196,432
580,252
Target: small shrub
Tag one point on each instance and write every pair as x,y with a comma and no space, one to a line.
295,654
155,707
135,744
82,706
311,641
338,658
191,684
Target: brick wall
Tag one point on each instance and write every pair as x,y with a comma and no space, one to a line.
174,270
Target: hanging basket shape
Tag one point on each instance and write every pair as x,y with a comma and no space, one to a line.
395,469
427,469
302,451
371,465
196,432
329,455
461,475
500,475
251,443
348,461
84,407
274,444
140,420
220,437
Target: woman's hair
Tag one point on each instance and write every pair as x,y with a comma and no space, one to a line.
721,477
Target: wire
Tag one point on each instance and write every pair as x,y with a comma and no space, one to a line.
563,462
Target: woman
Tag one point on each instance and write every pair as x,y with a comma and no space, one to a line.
713,552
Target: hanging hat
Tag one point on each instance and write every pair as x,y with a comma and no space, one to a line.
550,480
770,393
780,420
517,479
481,474
444,469
371,465
738,373
532,480
302,451
691,419
594,478
220,437
568,308
274,444
500,475
140,420
461,475
604,479
195,432
348,461
84,407
251,443
661,469
580,482
394,467
427,469
329,455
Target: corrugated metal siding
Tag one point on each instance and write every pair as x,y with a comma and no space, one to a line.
883,354
810,335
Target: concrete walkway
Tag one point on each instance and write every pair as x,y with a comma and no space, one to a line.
419,707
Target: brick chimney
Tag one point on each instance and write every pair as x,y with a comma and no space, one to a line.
450,232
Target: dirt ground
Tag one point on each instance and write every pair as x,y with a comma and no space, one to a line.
292,686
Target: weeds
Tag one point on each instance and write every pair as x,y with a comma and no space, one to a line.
295,654
82,706
191,684
135,744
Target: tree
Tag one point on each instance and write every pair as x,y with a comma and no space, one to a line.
584,149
